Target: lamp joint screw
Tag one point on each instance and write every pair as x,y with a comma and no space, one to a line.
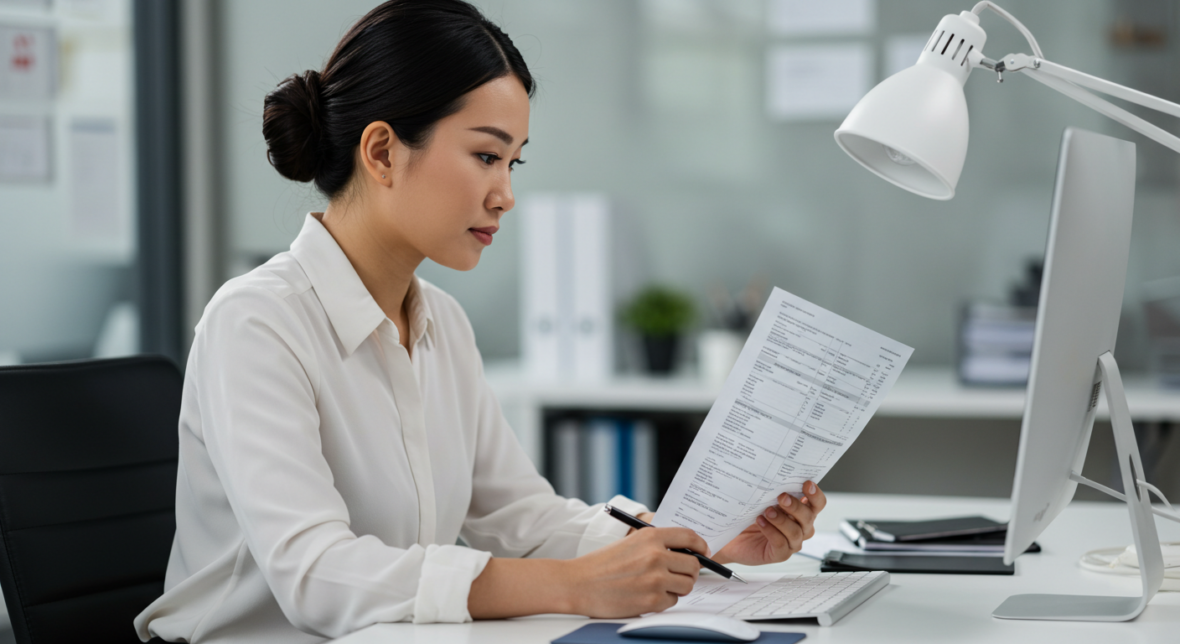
999,68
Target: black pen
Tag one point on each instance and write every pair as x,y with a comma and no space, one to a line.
638,523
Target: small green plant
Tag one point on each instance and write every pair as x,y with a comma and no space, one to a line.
659,311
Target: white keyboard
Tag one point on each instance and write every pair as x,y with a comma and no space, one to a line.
827,596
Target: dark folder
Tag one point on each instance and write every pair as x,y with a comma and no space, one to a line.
963,534
929,529
606,633
922,564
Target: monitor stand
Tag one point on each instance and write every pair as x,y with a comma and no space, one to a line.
1095,608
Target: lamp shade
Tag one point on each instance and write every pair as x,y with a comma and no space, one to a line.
912,128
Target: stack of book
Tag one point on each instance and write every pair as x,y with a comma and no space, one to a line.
960,536
996,343
600,457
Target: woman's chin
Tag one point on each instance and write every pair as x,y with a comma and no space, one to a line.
460,263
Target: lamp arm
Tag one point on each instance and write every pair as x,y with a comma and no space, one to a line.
1071,81
1019,62
1068,82
1107,108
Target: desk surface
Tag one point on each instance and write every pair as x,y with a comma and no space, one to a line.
915,608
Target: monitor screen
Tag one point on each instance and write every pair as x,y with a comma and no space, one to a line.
1077,321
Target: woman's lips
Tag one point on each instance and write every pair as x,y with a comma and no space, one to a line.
484,235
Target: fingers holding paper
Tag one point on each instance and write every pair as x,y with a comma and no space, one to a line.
779,531
805,508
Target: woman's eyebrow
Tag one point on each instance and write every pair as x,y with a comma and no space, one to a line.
497,132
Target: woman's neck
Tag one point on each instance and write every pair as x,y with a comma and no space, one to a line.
384,263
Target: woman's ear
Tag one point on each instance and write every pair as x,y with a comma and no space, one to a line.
381,152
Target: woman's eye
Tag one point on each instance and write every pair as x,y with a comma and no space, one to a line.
488,159
515,162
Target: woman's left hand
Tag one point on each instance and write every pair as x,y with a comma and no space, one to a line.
778,532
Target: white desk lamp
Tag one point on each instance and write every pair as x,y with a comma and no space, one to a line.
911,129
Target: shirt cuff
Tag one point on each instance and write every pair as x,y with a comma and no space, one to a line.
604,529
445,583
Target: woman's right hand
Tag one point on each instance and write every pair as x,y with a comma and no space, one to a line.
635,575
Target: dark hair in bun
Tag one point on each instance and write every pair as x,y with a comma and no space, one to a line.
407,62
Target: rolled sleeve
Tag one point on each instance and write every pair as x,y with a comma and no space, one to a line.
603,529
445,583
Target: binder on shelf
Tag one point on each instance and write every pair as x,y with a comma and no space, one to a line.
600,473
595,459
643,463
567,459
588,222
624,459
540,286
567,297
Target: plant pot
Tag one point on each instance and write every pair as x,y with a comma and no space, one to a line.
717,352
660,352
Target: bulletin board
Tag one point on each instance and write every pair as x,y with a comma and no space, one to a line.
66,125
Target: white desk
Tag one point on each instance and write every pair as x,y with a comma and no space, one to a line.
915,608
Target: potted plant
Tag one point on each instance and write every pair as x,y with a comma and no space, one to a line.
660,315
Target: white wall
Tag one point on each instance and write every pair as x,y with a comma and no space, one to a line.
665,114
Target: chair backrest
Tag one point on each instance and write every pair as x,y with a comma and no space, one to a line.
88,454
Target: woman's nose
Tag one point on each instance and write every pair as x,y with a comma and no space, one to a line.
501,197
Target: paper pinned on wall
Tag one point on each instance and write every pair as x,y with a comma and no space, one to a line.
97,178
32,4
24,149
28,62
901,52
92,11
810,82
821,17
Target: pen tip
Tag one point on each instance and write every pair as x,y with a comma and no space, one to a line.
735,576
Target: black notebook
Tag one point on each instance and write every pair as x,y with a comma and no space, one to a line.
919,564
987,539
926,530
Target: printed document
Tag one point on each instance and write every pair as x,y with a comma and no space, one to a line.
803,388
713,593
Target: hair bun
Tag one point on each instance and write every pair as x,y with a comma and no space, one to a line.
292,123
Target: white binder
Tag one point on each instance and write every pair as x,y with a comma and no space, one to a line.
591,317
567,299
540,283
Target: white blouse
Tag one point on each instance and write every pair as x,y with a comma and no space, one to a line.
325,475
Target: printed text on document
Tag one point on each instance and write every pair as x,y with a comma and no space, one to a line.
805,384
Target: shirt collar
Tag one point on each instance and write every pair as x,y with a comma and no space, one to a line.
420,317
351,309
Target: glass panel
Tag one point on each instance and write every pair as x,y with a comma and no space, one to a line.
67,154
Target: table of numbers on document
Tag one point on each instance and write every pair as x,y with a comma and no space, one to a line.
806,384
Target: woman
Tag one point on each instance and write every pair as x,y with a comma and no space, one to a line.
336,433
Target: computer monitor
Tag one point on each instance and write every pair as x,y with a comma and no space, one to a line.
1077,321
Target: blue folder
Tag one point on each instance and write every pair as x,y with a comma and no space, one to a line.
607,633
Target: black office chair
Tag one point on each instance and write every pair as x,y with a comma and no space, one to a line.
87,495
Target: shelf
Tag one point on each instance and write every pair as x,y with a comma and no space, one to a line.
919,392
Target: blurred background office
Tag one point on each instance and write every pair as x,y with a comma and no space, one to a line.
134,182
